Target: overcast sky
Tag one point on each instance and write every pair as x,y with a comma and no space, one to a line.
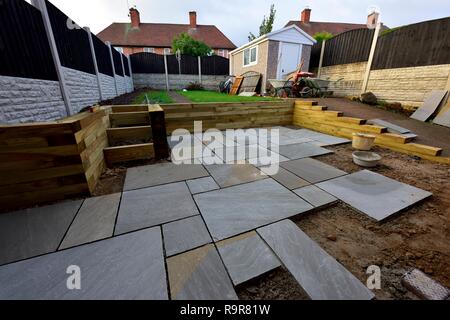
236,18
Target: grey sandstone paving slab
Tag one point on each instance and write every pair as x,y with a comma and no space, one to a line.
312,170
126,267
202,185
152,206
35,231
184,235
316,196
373,194
392,127
319,274
227,175
302,150
286,178
246,257
327,140
161,173
199,275
235,210
431,103
94,221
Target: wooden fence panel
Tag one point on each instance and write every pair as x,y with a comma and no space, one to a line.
102,56
348,47
24,47
145,62
420,44
215,65
117,57
125,65
315,56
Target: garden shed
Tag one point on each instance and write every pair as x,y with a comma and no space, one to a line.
274,55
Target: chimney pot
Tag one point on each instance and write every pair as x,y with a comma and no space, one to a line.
193,19
306,15
135,18
372,19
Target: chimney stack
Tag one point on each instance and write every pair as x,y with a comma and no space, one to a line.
372,19
135,18
306,15
193,19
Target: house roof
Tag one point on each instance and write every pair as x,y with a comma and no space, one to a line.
334,28
162,34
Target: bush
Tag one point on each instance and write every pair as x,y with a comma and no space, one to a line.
194,86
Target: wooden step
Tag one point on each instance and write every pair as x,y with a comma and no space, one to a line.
129,119
128,153
118,135
130,108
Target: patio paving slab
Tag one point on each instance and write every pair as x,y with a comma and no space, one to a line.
149,207
319,274
231,211
126,267
202,185
161,173
94,221
199,275
302,150
247,257
227,175
327,140
184,235
312,170
316,196
31,232
286,178
373,194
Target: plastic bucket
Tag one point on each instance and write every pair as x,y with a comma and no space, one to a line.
363,142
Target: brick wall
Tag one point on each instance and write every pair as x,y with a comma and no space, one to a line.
82,88
176,82
352,75
26,100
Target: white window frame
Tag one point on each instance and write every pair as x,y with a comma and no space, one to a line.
222,53
120,49
167,51
251,63
149,50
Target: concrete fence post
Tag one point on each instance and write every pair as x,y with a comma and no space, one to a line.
94,58
124,74
40,4
200,70
370,61
322,53
167,72
131,73
113,67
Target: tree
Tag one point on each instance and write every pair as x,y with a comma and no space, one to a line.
188,45
266,25
321,36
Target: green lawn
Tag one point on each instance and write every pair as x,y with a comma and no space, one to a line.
212,96
154,97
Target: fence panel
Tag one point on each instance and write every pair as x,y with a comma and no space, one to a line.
315,56
125,65
215,65
349,47
72,41
117,57
145,62
189,64
102,56
420,44
172,64
24,47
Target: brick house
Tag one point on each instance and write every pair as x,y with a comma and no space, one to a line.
157,38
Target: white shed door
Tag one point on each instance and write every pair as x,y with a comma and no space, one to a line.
290,57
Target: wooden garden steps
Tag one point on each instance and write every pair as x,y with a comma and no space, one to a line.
132,152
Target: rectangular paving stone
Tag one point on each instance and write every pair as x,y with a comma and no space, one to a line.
389,125
227,175
316,196
431,103
312,170
35,231
327,140
246,257
231,211
373,194
202,185
161,173
199,275
128,267
149,207
319,274
94,221
184,235
302,150
286,178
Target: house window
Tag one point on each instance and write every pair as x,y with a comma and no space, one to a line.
167,51
120,49
149,50
250,56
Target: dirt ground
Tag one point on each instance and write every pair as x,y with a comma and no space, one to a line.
417,238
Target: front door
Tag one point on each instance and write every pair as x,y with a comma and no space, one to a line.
290,57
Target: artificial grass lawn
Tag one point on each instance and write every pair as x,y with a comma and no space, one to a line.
212,96
154,97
